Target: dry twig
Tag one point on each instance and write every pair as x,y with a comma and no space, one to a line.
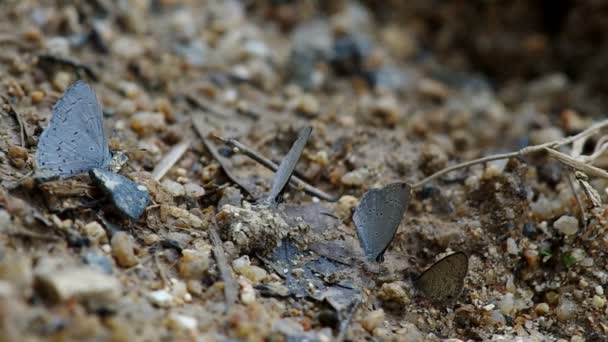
165,164
230,288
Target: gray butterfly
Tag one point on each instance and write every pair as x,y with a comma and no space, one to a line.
286,168
443,282
74,141
378,216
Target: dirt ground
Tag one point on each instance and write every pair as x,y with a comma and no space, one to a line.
394,91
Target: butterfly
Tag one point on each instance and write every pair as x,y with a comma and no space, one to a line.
74,142
378,216
443,282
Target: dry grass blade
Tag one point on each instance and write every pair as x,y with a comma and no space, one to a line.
230,288
592,194
199,127
577,164
161,169
269,164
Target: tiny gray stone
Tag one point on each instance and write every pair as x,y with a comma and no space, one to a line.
129,198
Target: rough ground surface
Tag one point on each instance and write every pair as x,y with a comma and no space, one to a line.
393,91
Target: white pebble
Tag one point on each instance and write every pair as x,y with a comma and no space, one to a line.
194,190
506,304
599,290
182,322
566,225
160,298
173,188
512,247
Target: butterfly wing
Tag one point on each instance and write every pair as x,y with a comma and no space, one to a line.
378,216
288,164
443,282
74,141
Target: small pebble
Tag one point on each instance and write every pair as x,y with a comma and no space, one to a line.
356,177
194,190
512,247
566,310
542,309
179,322
146,123
566,225
394,292
37,96
173,188
78,283
150,239
123,249
345,205
247,291
95,233
129,198
308,105
373,320
599,290
62,81
506,304
598,302
17,155
160,298
194,263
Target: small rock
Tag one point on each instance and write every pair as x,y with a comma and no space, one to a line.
433,88
529,230
247,291
150,239
62,81
599,290
349,54
308,105
512,247
179,322
566,310
123,249
81,283
506,304
160,298
173,188
184,216
194,190
99,262
128,197
542,309
232,196
127,48
394,293
17,155
566,225
95,233
598,302
37,96
410,332
356,177
243,267
345,205
373,320
5,220
146,123
194,263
